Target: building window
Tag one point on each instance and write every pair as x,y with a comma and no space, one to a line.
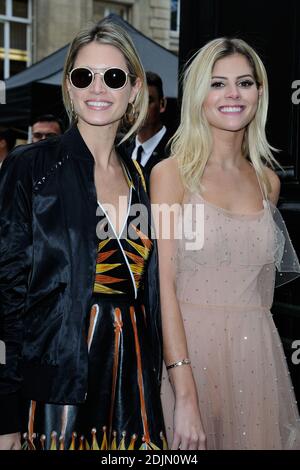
15,36
103,9
175,15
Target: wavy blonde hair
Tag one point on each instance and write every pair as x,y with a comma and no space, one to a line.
108,32
192,142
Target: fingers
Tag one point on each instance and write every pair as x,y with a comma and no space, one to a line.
176,442
16,445
180,442
10,445
202,442
194,442
184,445
10,441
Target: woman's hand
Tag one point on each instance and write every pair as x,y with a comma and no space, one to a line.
188,429
10,441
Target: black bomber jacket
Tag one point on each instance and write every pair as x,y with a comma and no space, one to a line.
48,248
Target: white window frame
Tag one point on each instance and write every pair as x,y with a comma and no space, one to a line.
127,4
7,19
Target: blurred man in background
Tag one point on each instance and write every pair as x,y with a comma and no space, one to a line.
46,126
150,142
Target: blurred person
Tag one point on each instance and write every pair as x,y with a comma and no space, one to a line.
46,126
79,295
150,144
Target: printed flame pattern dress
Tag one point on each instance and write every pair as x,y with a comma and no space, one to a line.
122,408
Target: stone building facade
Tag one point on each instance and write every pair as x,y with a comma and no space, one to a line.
32,29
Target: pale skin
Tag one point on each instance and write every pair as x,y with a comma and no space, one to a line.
98,127
239,192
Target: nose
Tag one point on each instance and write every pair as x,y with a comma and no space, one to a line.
233,91
98,84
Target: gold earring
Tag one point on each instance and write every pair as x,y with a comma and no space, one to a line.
74,115
130,115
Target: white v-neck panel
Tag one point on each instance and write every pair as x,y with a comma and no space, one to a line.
118,237
126,217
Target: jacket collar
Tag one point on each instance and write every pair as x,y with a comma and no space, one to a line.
75,145
76,148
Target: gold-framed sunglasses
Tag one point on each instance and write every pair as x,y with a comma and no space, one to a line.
113,77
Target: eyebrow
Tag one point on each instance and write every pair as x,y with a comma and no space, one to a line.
240,76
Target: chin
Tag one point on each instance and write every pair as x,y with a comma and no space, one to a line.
91,122
231,127
234,129
98,120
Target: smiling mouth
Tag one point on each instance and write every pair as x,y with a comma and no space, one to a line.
98,104
231,109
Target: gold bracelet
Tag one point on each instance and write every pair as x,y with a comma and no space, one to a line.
183,362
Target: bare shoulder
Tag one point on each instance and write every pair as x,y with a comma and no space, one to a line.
165,181
166,168
275,185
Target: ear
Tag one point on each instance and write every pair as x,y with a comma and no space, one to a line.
135,89
260,90
163,105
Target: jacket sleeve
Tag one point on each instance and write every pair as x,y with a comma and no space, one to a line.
15,265
152,293
152,304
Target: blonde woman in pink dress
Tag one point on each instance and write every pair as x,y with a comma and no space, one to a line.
226,383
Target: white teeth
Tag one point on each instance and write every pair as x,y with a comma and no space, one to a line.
231,109
98,104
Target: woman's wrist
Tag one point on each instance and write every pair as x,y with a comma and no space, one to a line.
181,362
182,381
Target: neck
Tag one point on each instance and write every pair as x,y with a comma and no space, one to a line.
146,133
227,149
100,141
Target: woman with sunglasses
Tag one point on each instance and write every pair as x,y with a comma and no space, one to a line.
79,306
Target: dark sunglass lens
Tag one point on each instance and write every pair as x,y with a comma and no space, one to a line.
115,78
81,78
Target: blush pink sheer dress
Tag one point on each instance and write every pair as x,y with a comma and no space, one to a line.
225,292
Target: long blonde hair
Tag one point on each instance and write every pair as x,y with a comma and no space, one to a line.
192,142
108,32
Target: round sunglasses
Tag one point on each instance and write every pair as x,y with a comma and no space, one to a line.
114,77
